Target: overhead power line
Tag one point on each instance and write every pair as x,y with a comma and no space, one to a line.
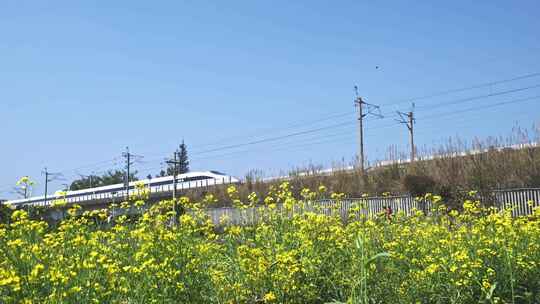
296,134
281,145
263,131
289,126
463,89
337,115
434,116
270,139
91,165
460,122
281,148
441,93
467,99
458,101
425,117
335,138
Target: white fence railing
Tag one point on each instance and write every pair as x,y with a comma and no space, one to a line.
369,207
522,202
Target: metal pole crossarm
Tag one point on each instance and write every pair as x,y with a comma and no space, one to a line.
371,110
409,120
175,162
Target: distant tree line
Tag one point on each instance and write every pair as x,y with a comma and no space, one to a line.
112,177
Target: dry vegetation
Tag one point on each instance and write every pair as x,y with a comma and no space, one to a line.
450,172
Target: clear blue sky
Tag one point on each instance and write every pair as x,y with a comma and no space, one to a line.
80,80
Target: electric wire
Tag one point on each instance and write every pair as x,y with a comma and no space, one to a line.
437,94
437,116
463,89
342,114
337,115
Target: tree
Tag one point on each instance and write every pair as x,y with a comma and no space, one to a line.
117,177
85,182
183,166
24,186
109,178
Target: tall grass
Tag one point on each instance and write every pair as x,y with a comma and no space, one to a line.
455,168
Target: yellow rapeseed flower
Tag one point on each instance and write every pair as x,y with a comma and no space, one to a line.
269,297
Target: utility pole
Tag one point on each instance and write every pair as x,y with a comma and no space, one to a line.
49,177
130,160
409,120
46,183
127,155
90,178
361,115
175,162
371,110
92,184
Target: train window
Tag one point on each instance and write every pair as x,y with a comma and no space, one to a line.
195,178
217,172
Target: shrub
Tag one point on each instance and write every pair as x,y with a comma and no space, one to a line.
418,185
5,213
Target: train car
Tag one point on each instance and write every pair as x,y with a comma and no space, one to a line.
184,181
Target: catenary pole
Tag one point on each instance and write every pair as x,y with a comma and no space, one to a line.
371,109
408,120
175,162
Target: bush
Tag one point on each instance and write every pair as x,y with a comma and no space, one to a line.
418,185
5,214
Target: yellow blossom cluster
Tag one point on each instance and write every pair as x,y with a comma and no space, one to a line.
293,250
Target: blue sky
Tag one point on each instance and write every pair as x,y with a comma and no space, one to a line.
80,81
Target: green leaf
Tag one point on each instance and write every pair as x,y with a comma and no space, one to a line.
377,256
490,292
359,243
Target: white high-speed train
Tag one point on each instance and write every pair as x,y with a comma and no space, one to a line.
117,192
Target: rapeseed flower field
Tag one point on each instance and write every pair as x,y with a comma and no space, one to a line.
293,254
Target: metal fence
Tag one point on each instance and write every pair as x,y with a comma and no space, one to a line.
522,202
369,207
